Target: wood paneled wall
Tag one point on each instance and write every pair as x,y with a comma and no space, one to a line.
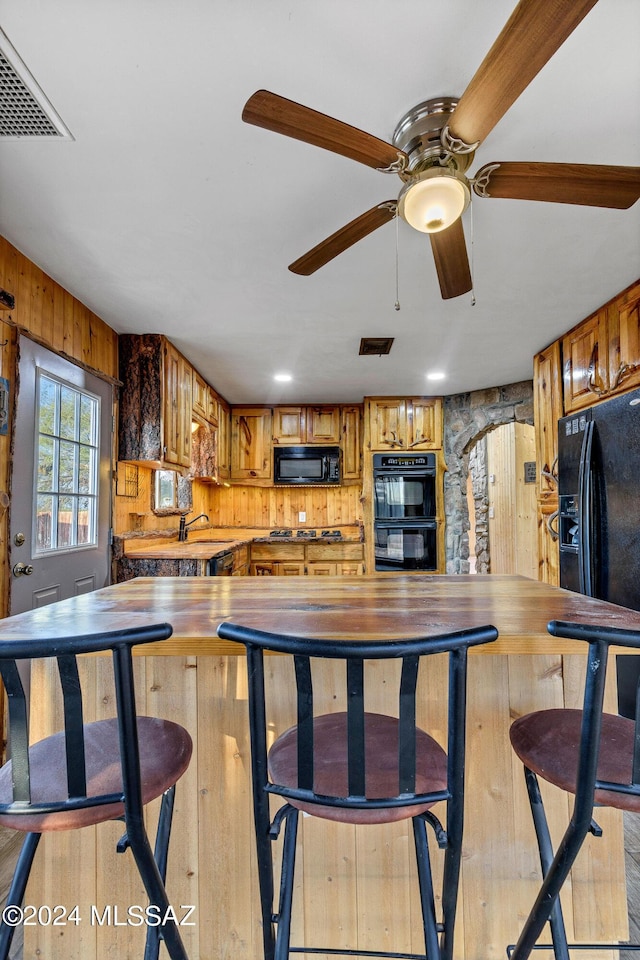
261,508
53,317
270,507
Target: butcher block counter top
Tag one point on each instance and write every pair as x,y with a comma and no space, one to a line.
367,606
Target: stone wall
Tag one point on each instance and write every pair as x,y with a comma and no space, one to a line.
468,417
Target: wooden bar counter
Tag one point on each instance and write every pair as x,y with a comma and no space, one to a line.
355,886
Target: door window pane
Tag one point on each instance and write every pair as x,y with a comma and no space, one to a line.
66,498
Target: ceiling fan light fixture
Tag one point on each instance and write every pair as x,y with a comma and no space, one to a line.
434,199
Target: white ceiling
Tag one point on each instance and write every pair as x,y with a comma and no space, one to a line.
168,214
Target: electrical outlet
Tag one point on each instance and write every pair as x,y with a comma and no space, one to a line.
302,517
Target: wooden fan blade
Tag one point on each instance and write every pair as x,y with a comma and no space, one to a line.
452,263
275,113
534,32
586,184
344,238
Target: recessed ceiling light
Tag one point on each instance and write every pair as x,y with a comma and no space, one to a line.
283,377
436,375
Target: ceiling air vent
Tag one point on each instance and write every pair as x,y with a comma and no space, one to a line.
375,346
25,111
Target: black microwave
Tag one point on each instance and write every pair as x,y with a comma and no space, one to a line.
306,465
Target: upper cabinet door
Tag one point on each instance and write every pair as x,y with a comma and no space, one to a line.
177,407
387,423
289,425
251,446
584,353
547,410
200,396
351,443
323,424
624,341
424,423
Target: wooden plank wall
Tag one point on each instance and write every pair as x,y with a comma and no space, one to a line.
513,531
53,317
270,507
263,508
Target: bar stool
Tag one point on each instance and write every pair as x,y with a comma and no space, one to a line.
595,756
358,767
92,772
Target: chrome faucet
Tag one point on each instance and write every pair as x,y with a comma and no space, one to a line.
183,532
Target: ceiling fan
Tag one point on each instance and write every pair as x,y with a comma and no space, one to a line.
434,143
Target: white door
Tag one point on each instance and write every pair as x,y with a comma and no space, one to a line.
60,487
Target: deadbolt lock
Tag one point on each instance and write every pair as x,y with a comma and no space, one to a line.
19,539
22,569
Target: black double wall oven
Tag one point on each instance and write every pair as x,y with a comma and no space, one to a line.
404,510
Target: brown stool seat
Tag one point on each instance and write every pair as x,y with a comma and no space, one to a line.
165,751
548,742
381,766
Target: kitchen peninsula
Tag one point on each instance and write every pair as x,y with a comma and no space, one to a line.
200,681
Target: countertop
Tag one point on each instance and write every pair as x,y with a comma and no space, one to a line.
185,550
371,606
200,548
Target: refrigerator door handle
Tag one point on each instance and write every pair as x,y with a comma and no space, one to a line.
585,487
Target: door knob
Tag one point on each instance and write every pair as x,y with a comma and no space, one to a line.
22,569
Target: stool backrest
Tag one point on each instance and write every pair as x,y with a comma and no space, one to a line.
355,653
600,639
65,650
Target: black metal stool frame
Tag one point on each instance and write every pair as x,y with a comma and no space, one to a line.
151,865
276,925
556,867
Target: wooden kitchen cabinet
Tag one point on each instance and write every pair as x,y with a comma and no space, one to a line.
300,425
624,340
277,559
547,410
334,559
251,448
323,424
601,356
548,542
351,442
274,568
200,401
155,402
410,424
584,352
313,557
224,446
424,423
289,425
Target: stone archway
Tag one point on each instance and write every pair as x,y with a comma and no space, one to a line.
467,418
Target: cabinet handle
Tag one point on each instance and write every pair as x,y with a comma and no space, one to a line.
415,443
624,370
591,382
551,474
395,442
552,533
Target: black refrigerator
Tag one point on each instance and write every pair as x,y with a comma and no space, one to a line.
599,513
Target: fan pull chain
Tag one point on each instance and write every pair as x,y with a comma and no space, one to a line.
396,305
473,293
